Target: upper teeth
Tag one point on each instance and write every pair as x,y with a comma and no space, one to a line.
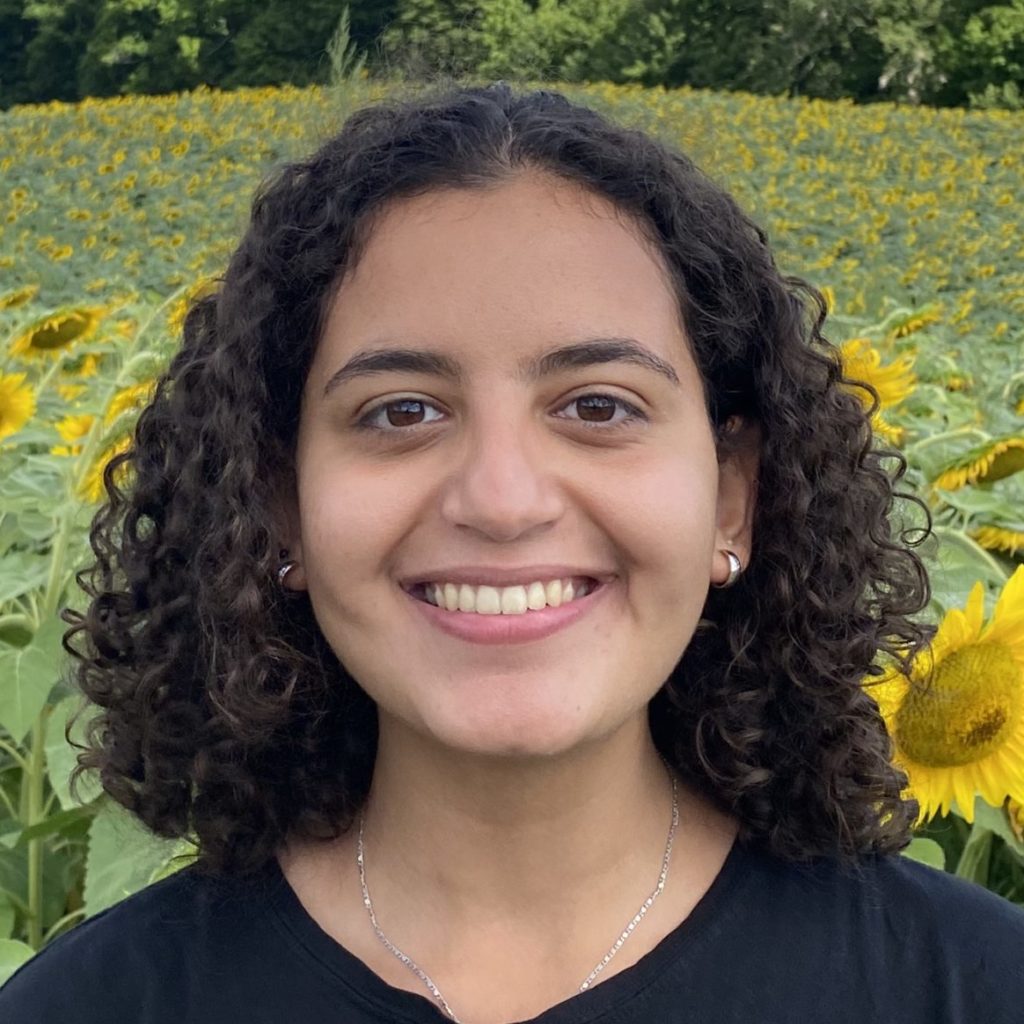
485,600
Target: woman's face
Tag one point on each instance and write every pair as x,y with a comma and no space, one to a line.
599,468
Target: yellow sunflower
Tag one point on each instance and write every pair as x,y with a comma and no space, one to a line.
957,722
916,320
993,460
996,537
17,403
72,429
69,392
9,300
88,366
135,396
894,382
202,288
58,331
92,489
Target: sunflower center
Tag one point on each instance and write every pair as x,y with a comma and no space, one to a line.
57,334
968,710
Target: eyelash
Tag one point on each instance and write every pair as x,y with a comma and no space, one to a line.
634,414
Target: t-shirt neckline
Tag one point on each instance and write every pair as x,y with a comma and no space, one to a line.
329,957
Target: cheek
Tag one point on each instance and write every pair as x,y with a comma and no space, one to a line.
668,509
344,520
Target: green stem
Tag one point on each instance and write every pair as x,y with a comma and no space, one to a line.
945,436
55,579
36,773
53,929
50,373
8,803
974,859
19,759
948,533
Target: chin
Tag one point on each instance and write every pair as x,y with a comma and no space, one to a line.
517,733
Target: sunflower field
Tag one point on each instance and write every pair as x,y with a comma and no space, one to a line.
115,213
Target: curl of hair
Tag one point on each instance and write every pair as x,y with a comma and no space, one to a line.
224,716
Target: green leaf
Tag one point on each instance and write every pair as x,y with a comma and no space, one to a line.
56,880
37,481
21,572
183,854
69,823
994,819
27,675
979,500
61,756
955,564
12,955
36,525
10,831
6,917
926,851
976,856
122,858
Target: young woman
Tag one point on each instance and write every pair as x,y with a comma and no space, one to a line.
502,561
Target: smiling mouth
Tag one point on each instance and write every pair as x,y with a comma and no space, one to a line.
500,601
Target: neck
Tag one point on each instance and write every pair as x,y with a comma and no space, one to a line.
475,863
514,838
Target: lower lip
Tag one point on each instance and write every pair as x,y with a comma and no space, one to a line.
508,629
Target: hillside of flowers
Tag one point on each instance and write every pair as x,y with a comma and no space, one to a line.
114,213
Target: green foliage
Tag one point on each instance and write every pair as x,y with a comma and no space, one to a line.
15,32
278,41
989,63
142,46
63,855
346,64
435,36
941,52
60,35
558,40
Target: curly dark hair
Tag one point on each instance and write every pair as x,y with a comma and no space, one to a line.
225,715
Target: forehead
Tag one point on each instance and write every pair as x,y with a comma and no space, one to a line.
530,262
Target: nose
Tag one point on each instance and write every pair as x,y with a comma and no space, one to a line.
505,480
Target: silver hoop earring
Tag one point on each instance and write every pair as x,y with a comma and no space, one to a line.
284,570
735,568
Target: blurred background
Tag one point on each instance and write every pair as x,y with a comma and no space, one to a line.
940,52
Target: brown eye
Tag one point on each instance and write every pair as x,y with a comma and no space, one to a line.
400,414
597,410
598,405
408,409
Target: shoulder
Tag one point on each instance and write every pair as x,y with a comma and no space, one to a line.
924,897
102,969
926,885
932,898
913,918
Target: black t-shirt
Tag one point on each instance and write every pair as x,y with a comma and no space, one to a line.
769,943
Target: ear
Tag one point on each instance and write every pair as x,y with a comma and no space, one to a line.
288,533
737,496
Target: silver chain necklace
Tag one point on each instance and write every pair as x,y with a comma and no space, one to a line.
602,964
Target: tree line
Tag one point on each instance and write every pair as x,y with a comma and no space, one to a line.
937,52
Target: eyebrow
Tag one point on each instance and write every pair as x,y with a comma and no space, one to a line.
591,352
